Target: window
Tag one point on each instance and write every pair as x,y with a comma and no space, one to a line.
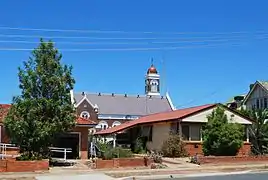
185,132
257,103
174,127
85,115
261,103
265,102
103,125
191,132
195,133
116,123
154,85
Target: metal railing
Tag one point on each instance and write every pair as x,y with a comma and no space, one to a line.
61,150
3,150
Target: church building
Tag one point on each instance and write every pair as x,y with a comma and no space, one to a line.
109,110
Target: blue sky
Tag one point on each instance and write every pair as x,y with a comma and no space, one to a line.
198,71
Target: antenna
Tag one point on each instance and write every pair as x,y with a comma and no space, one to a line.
163,81
152,61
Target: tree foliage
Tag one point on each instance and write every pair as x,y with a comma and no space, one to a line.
44,107
258,131
174,146
220,136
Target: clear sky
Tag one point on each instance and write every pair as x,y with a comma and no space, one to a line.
219,47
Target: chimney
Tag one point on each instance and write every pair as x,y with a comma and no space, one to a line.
72,96
251,86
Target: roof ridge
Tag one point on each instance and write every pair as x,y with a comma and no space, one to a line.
118,94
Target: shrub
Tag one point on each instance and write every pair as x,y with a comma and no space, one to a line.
221,138
139,146
117,152
174,146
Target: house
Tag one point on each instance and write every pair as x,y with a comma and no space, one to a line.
257,96
187,122
236,102
77,139
110,110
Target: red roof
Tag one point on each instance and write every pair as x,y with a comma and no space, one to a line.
79,121
82,121
157,118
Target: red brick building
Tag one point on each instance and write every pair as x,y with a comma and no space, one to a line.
77,139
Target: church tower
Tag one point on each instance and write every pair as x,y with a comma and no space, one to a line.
152,83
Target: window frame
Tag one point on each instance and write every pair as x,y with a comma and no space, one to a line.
190,126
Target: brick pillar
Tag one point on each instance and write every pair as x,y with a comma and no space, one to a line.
83,142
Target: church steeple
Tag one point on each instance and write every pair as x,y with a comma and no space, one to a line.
152,81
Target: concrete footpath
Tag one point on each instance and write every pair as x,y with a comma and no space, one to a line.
67,173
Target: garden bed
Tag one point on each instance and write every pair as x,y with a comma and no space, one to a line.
122,162
23,166
230,159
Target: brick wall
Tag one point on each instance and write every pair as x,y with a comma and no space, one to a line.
23,166
194,148
231,159
122,162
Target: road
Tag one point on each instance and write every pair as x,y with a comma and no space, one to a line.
249,176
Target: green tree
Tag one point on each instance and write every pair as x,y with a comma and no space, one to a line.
44,108
258,131
220,136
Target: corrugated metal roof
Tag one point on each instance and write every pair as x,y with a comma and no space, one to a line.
156,118
120,104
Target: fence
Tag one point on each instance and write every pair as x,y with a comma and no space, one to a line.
61,150
3,150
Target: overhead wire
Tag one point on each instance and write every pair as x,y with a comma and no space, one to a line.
115,31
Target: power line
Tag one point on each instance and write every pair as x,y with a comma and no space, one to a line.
115,31
121,43
120,49
124,38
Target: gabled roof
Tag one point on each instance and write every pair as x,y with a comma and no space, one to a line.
262,84
120,104
79,121
165,117
82,121
158,117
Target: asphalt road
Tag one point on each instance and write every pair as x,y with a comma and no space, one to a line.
250,176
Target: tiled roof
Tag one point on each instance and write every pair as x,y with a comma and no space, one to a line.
158,117
126,105
82,121
5,107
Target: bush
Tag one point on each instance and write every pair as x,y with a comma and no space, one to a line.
139,146
174,146
221,138
117,152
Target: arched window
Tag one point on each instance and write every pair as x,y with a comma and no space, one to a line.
103,125
154,85
85,115
116,123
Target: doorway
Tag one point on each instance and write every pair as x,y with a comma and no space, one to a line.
67,140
